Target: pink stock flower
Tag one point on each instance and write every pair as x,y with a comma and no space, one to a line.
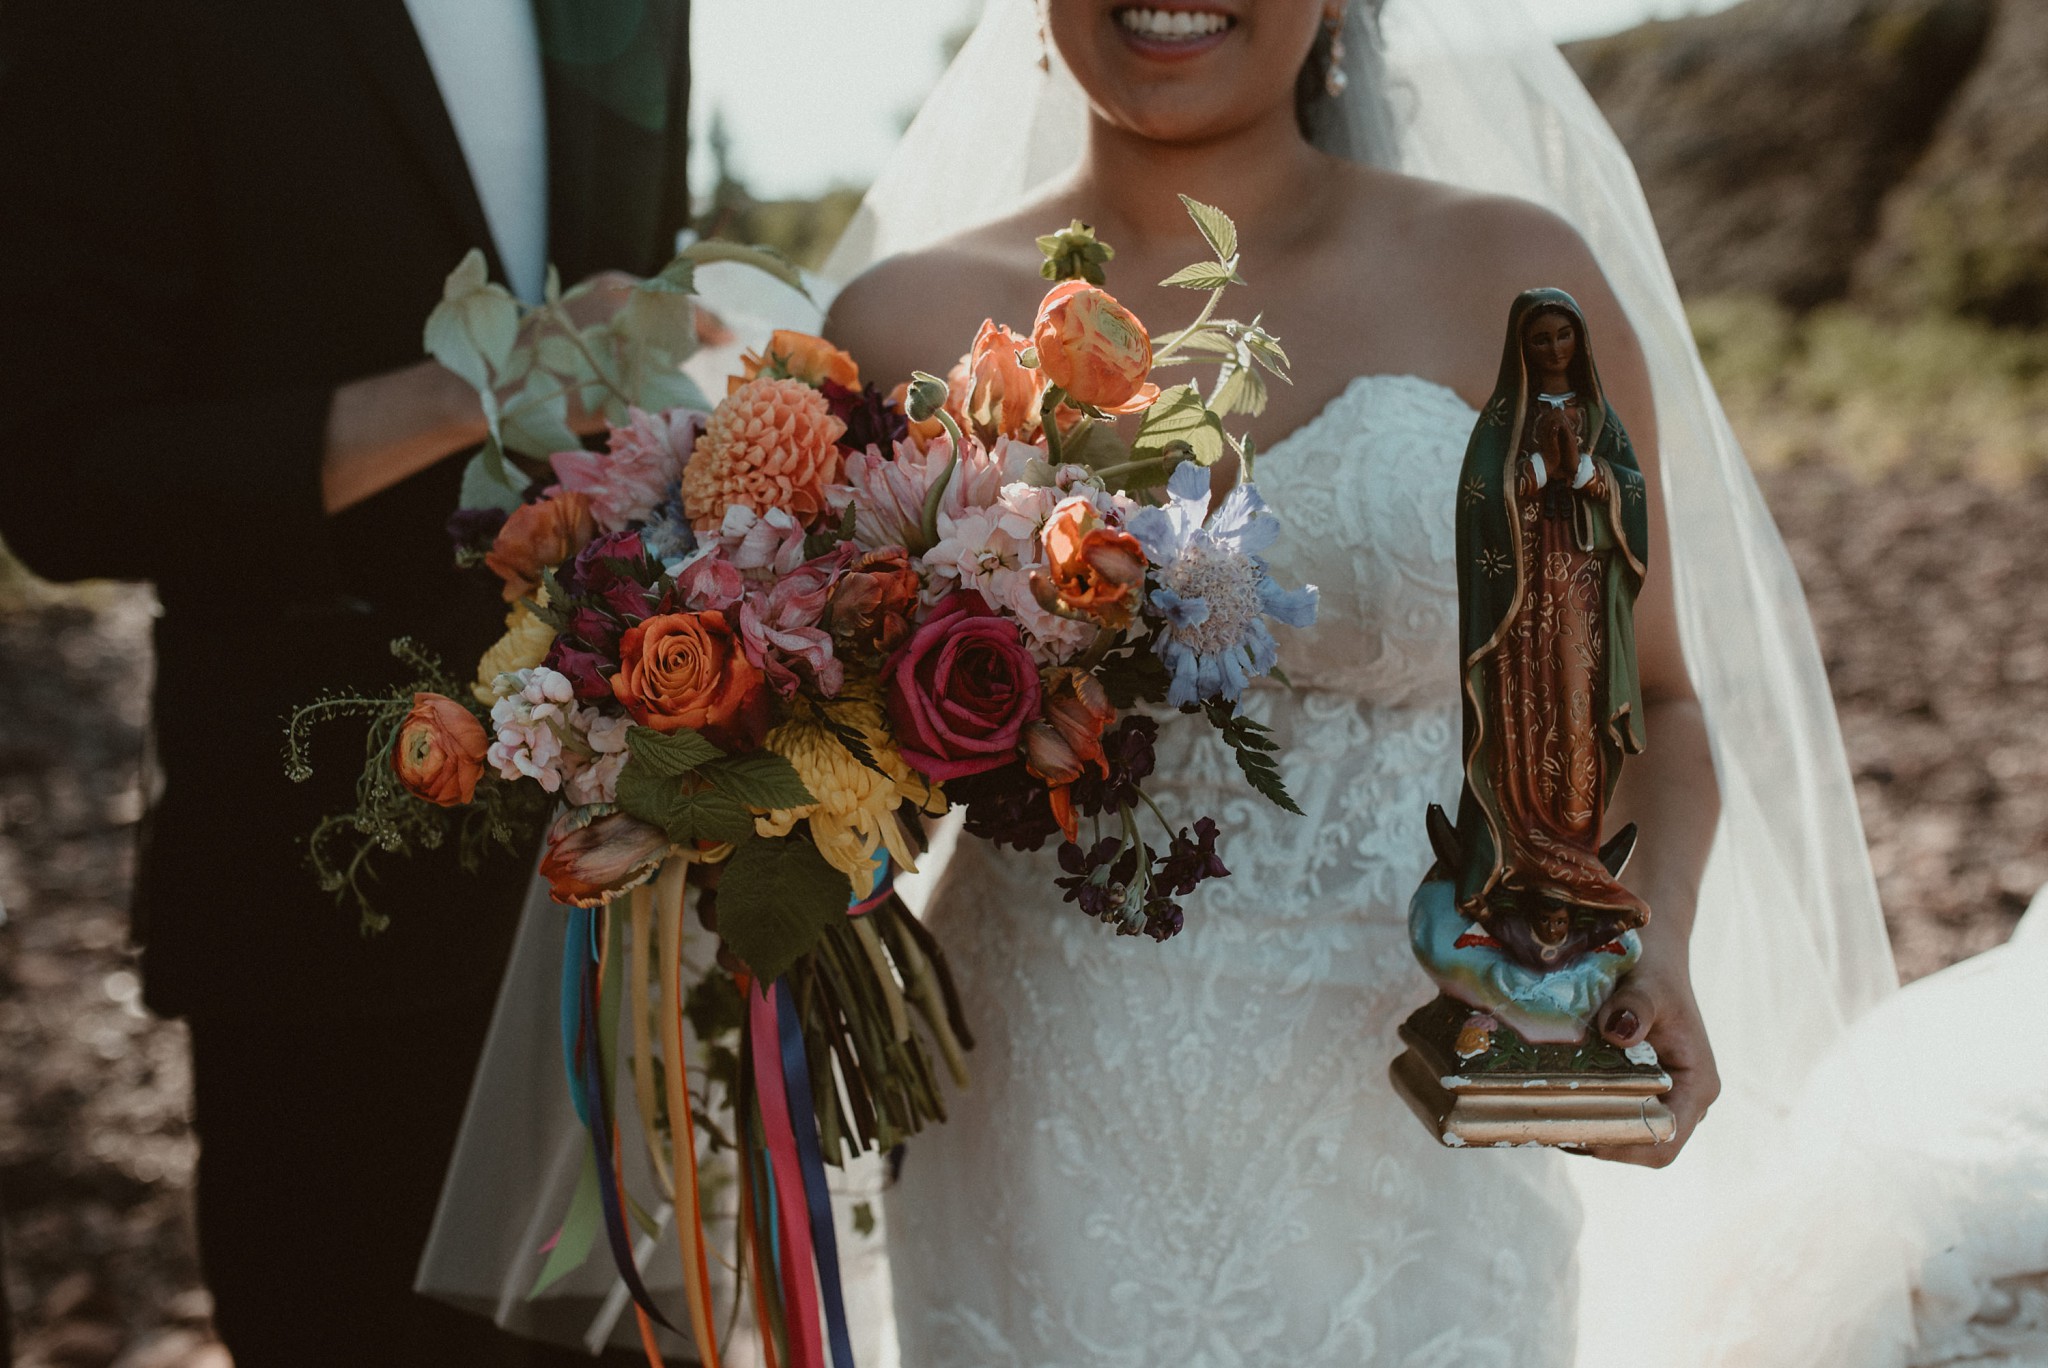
531,706
710,581
594,778
635,474
780,628
772,542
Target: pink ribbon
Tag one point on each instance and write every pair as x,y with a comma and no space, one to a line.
800,1292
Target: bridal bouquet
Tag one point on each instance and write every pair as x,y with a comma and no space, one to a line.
764,637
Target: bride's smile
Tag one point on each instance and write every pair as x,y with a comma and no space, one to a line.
1173,35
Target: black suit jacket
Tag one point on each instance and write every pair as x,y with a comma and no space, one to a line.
211,213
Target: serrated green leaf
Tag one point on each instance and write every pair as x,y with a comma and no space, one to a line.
1240,390
673,753
1216,227
1211,340
761,780
488,481
1096,446
1252,745
1265,349
761,258
706,815
1204,275
645,792
775,900
1178,417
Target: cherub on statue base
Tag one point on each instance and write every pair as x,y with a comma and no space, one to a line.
1523,921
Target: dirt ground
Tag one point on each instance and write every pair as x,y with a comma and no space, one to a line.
1923,595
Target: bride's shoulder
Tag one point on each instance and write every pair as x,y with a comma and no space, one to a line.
917,311
1474,234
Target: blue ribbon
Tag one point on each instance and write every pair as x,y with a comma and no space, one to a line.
796,1081
575,954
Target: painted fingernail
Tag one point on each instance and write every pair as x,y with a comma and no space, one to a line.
1623,1024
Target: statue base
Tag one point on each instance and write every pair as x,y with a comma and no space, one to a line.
1475,1084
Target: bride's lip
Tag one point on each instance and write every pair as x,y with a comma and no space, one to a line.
1172,32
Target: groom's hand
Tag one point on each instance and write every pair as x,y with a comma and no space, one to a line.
1657,1005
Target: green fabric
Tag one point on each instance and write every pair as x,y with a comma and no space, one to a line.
1489,576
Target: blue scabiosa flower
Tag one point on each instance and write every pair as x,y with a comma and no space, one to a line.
1211,589
666,534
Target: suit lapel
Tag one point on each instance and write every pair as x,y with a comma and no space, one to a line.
380,35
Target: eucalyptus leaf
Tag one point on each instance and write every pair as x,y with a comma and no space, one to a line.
775,899
1178,417
665,387
659,315
1216,227
537,422
488,481
762,780
561,355
447,340
471,274
492,317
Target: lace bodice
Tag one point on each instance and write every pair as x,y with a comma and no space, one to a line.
1188,1153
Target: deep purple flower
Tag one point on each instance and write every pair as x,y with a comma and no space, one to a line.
595,628
474,529
1190,860
869,419
1006,806
586,670
1127,748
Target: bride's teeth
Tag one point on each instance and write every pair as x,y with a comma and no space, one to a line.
1170,25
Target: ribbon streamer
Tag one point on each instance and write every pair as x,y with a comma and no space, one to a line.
795,1256
796,1076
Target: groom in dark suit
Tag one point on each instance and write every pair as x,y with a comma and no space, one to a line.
222,224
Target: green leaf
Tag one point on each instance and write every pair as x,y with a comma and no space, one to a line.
1265,349
761,258
850,737
471,274
1205,275
1178,417
706,815
1240,390
536,423
561,355
665,387
1096,446
645,792
659,315
1253,745
673,753
489,482
1216,227
775,900
761,780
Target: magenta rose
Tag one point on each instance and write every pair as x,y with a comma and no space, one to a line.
961,690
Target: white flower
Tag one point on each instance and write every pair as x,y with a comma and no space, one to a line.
529,707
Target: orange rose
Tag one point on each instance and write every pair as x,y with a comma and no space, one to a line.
440,751
539,535
1092,570
687,670
792,355
1077,711
1094,348
1003,395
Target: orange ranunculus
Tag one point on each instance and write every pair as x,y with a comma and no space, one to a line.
1076,713
588,863
1003,394
1092,569
440,750
539,535
771,443
1094,348
687,670
792,355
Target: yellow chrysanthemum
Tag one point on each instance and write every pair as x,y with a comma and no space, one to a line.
856,807
524,645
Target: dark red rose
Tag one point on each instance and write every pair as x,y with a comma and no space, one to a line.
961,690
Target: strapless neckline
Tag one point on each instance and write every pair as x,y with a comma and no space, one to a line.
1360,384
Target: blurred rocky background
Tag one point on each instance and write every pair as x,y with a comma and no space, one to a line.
1855,198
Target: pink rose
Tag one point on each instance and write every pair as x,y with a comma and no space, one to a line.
961,690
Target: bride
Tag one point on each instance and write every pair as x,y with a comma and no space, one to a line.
1191,1152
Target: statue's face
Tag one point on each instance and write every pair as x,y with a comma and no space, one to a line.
1180,71
1550,341
1551,925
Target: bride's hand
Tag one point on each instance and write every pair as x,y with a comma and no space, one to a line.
1657,1004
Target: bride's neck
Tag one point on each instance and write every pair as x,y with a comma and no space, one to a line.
1263,173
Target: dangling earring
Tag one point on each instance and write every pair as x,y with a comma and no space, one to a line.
1044,48
1334,77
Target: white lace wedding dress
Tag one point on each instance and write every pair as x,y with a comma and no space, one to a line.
1189,1153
